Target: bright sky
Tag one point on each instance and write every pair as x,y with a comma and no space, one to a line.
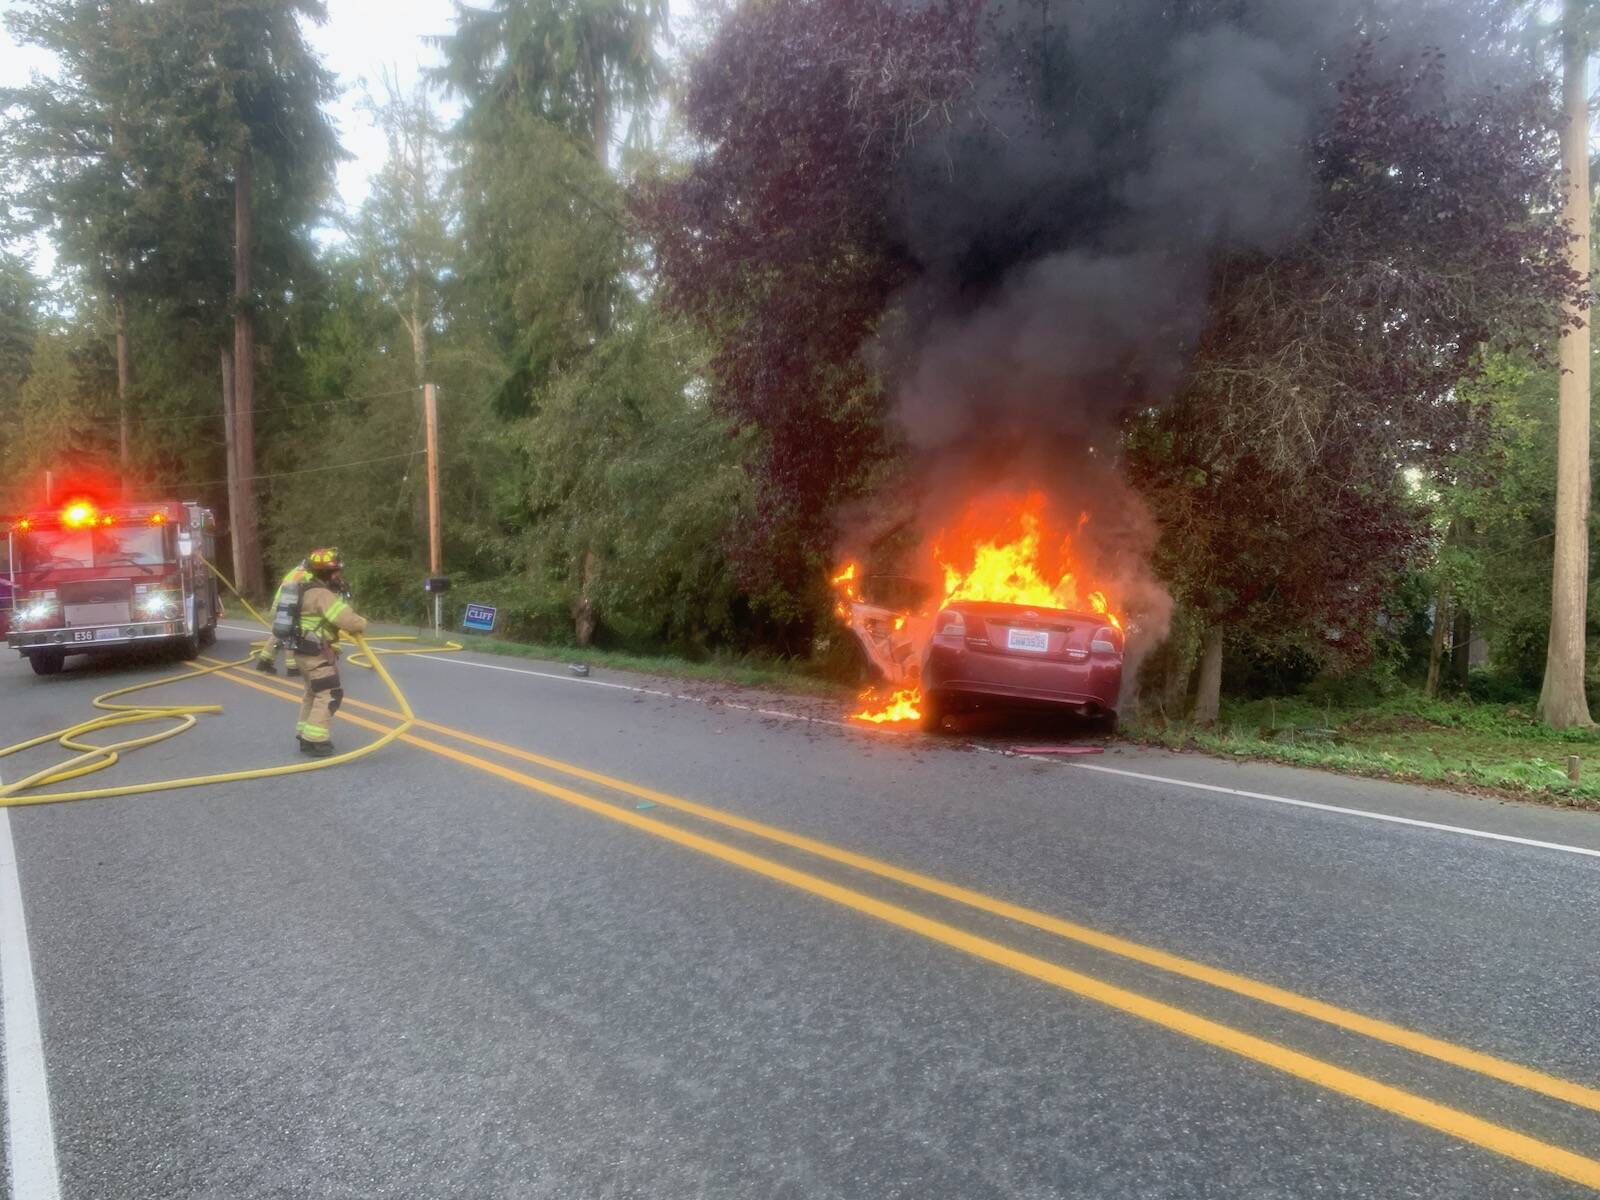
360,41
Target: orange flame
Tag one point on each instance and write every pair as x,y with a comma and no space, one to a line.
849,591
1001,550
901,706
997,552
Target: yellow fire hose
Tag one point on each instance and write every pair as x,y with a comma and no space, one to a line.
90,757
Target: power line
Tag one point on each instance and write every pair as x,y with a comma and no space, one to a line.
264,411
361,462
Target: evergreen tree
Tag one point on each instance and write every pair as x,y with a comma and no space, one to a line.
251,154
83,138
406,232
574,63
405,241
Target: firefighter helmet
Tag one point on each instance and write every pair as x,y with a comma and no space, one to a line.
324,562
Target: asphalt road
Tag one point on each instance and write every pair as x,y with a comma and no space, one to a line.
634,938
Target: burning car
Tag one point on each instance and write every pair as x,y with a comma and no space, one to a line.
1014,628
988,655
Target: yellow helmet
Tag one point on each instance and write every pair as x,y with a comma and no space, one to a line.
324,561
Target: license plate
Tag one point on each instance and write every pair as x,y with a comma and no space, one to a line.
83,635
1035,640
108,635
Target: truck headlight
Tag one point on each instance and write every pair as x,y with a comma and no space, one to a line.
37,613
156,606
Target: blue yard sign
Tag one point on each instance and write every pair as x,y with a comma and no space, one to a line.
480,617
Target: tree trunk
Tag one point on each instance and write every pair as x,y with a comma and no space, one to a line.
418,331
1208,693
1441,609
1179,666
1562,702
232,456
1460,648
1175,686
246,531
585,618
124,385
600,118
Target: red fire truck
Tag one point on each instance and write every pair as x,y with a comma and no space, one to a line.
86,578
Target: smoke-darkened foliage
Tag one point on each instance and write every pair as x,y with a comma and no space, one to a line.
1016,225
782,239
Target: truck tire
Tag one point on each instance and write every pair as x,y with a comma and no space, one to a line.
47,662
189,647
208,635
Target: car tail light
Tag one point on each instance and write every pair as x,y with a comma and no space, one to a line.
1106,641
951,624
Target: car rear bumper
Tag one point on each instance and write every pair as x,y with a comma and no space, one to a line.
954,672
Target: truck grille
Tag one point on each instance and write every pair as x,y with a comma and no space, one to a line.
97,601
98,614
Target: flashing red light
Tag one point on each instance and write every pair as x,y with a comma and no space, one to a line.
78,514
158,518
24,525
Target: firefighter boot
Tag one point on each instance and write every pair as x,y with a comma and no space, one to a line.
291,668
316,749
265,665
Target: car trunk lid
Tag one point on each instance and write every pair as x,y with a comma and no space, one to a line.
1036,633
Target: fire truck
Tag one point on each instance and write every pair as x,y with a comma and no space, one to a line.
90,579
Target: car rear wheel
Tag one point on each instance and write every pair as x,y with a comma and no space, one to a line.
932,719
47,662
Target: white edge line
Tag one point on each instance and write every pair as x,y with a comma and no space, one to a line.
643,691
1165,779
619,687
30,1137
1334,808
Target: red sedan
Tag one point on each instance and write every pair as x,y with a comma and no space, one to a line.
986,656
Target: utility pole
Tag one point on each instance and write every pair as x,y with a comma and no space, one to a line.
430,409
235,475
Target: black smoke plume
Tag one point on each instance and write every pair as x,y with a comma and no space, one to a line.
1068,218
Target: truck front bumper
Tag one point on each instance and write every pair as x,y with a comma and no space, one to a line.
97,637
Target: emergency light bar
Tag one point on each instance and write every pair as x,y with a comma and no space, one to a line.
81,514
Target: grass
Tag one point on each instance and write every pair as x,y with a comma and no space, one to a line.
1497,748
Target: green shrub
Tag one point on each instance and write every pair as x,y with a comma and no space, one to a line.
1500,685
527,610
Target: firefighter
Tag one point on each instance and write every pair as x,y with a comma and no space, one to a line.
267,659
324,613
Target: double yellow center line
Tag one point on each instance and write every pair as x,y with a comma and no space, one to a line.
1454,1122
